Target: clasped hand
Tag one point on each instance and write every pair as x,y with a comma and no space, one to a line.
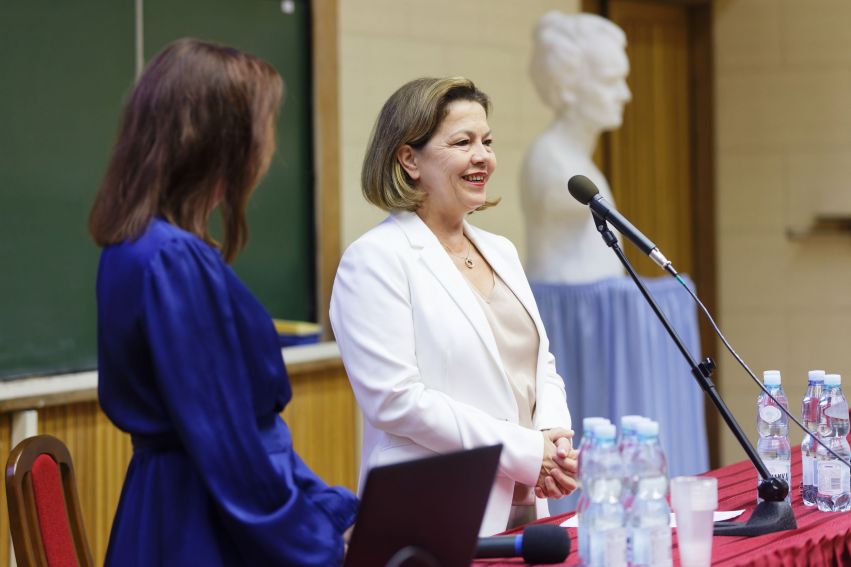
558,468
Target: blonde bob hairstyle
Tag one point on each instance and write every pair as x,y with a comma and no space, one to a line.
410,116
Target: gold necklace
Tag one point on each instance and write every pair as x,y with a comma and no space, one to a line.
466,258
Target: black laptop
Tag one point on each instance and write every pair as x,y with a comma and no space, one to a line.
424,513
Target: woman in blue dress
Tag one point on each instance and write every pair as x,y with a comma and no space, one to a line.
189,361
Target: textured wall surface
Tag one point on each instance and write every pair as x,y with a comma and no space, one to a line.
783,135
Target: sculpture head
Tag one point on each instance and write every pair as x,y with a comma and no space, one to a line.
579,65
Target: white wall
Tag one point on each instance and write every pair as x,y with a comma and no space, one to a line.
783,110
385,43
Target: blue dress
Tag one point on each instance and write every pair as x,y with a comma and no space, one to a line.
190,366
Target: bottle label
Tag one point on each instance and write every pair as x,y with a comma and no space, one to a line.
607,547
769,414
839,410
807,466
780,469
833,478
815,473
650,546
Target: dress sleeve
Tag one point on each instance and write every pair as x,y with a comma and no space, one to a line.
550,408
270,510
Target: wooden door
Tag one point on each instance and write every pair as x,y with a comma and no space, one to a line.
659,163
649,157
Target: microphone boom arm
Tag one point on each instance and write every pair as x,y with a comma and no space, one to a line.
771,515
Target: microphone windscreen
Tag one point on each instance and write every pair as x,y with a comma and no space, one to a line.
545,543
582,189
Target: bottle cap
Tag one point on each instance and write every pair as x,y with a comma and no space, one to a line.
588,424
832,379
648,428
815,375
771,377
630,423
605,431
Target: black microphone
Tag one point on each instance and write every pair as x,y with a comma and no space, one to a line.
541,543
584,191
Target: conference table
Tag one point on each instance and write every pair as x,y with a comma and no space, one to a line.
822,538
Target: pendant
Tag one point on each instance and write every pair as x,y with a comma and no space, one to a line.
469,263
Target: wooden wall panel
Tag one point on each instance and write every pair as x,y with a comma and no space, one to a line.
101,454
321,416
650,155
5,448
326,151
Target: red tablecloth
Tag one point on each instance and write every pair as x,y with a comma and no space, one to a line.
822,538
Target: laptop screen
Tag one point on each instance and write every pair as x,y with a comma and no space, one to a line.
429,510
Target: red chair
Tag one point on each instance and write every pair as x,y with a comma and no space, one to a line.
44,510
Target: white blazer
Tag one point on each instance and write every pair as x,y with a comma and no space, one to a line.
423,361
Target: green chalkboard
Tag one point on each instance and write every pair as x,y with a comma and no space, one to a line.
65,70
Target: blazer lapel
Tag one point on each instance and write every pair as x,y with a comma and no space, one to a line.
435,258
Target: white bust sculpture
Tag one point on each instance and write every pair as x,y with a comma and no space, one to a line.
579,67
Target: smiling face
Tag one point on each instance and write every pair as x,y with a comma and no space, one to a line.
454,166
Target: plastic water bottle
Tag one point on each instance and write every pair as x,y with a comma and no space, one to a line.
773,427
628,436
586,445
834,492
606,536
810,419
648,520
585,470
627,445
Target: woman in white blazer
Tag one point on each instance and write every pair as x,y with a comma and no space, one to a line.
434,318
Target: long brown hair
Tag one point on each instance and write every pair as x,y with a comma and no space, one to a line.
197,131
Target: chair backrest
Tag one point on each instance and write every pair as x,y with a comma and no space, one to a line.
44,509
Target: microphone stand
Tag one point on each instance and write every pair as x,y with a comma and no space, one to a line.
773,514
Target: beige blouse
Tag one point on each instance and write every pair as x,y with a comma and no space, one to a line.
517,340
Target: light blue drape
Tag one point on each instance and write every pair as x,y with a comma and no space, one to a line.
617,359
